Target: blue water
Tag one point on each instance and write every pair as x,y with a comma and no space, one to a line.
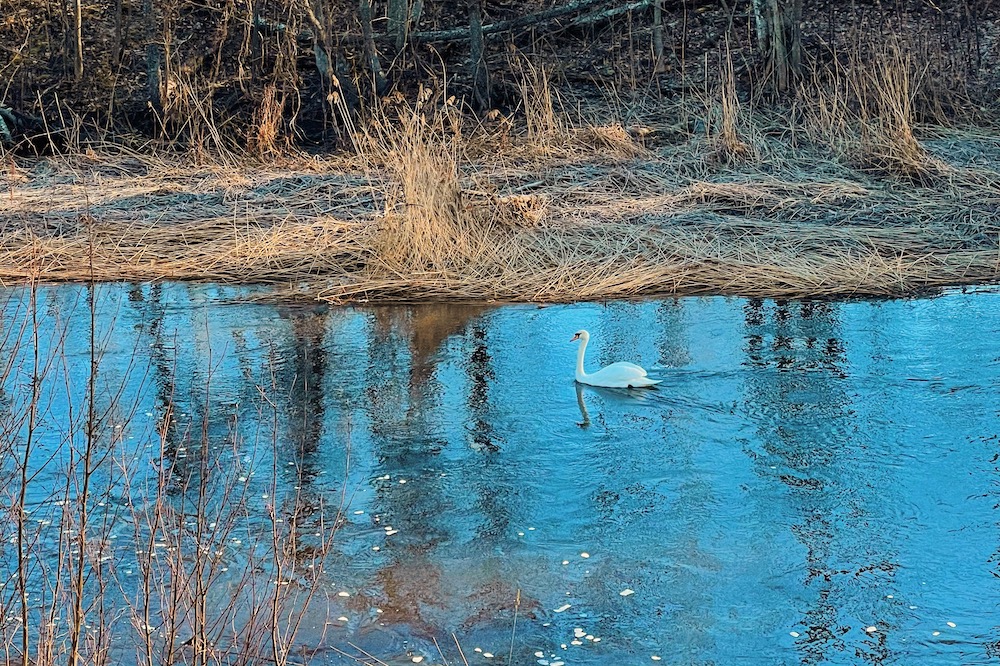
811,483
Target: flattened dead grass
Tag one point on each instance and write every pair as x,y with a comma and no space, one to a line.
615,224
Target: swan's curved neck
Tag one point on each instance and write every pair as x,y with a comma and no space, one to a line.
580,374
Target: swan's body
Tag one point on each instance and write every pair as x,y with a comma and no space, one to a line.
616,375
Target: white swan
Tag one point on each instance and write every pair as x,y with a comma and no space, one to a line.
616,375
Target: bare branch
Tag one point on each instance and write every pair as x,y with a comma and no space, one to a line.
461,34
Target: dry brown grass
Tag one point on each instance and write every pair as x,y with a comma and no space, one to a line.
426,224
414,218
866,111
267,138
729,122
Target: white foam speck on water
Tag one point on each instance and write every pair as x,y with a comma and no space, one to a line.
531,529
562,608
342,619
913,608
358,512
793,634
951,624
343,594
872,629
520,534
584,555
936,633
889,596
626,592
655,657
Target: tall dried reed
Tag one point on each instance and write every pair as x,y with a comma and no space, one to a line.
729,121
865,110
428,224
542,123
267,138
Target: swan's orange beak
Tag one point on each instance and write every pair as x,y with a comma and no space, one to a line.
576,336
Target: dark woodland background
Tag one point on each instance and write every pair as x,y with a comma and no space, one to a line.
303,72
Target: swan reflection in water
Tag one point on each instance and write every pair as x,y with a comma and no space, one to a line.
610,395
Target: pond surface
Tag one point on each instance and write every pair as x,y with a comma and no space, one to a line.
811,483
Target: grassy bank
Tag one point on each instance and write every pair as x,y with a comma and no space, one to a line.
558,213
874,173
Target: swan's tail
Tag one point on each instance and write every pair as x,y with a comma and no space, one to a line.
640,382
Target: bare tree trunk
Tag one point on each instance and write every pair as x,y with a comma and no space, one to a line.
477,62
339,91
535,19
116,57
255,44
345,84
154,63
416,12
78,43
67,39
779,38
398,24
379,84
658,64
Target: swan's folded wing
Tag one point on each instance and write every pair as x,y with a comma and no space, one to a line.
626,366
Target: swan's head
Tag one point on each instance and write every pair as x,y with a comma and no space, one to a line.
580,335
